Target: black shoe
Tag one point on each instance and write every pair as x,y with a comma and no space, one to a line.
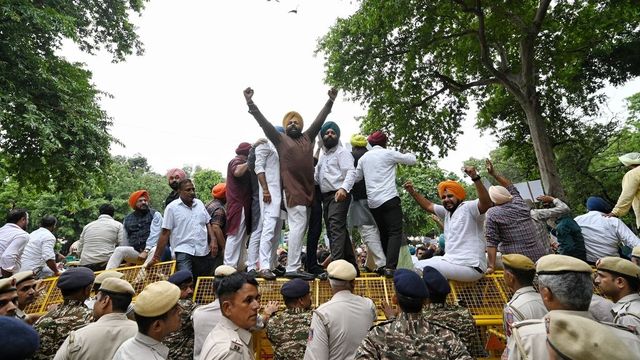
266,274
299,274
388,273
253,273
323,276
279,271
317,271
379,271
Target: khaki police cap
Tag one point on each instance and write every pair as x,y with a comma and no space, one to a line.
341,270
23,276
117,286
157,298
224,270
636,252
618,265
8,284
518,261
579,338
558,264
106,275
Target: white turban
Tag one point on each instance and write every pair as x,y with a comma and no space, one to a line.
630,159
499,195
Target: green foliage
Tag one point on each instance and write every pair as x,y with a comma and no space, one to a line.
205,180
425,177
52,130
123,176
530,65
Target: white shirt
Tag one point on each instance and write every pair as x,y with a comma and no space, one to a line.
378,168
98,240
464,235
205,318
268,162
188,227
227,341
335,170
142,347
339,326
39,249
603,234
12,242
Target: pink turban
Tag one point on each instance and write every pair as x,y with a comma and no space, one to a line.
176,171
243,149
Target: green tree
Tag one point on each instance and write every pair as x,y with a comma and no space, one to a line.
205,180
51,124
425,177
533,67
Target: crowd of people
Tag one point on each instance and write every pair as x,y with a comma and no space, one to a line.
236,237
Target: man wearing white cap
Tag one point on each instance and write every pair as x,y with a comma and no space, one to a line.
206,317
101,339
630,195
158,315
339,325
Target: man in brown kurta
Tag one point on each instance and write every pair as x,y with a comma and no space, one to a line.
295,149
238,205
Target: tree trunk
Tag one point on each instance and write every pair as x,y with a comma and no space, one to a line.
543,149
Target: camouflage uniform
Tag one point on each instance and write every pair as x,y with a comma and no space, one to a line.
460,320
411,336
56,325
288,332
180,342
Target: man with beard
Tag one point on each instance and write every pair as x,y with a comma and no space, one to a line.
238,205
378,168
13,239
465,259
141,231
335,173
174,176
186,226
295,150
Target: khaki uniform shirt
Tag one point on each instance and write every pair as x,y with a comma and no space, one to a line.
98,340
627,311
339,326
600,308
525,304
142,347
205,318
227,341
530,338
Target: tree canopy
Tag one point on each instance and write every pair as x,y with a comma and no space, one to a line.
534,68
51,124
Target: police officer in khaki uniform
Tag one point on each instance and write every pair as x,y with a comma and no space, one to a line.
619,279
239,304
157,315
565,286
339,325
98,282
577,338
8,297
100,339
526,303
27,294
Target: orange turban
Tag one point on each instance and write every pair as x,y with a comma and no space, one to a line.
133,198
219,191
453,187
289,115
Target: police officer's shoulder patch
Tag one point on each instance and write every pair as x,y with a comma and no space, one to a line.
235,346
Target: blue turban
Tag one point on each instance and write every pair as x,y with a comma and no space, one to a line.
598,204
330,125
408,283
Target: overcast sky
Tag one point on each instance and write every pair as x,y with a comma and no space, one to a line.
182,103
